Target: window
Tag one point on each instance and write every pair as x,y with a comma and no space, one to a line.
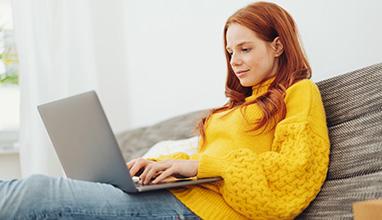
9,89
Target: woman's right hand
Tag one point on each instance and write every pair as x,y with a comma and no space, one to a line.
138,164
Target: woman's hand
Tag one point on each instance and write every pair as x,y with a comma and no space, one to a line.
163,169
137,164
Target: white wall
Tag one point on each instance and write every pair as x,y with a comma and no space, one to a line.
175,55
339,36
174,51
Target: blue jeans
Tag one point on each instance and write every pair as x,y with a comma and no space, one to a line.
43,197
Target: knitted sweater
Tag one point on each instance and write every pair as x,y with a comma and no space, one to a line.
271,175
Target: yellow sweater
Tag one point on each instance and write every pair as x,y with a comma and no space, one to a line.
272,175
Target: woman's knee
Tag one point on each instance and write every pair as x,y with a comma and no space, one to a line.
21,197
35,187
37,181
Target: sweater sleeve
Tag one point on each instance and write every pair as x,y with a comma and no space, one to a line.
277,184
174,156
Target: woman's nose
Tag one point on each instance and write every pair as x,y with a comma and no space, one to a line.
235,60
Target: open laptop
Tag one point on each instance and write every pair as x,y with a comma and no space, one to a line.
87,147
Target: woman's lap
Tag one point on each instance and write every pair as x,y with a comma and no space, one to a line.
43,197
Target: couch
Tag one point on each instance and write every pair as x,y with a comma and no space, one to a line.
353,105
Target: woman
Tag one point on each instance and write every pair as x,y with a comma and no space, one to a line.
269,143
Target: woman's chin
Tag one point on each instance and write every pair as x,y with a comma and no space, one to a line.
245,83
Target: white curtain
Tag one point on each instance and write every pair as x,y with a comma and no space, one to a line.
64,48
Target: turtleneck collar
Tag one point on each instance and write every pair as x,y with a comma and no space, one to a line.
260,89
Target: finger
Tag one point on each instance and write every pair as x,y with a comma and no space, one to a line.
134,169
131,163
163,175
138,165
144,173
147,169
149,172
153,172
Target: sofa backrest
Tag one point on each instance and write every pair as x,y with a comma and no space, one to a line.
353,105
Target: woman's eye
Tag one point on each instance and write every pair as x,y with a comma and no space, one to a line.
246,49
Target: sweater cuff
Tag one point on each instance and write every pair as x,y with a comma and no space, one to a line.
210,166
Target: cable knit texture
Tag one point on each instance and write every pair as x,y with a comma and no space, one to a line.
273,175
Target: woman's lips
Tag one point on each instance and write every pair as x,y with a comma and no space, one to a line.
241,73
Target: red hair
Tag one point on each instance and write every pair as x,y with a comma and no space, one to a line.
268,21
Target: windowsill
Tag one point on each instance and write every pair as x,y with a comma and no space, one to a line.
9,151
8,142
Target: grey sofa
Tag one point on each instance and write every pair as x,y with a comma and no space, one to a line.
353,105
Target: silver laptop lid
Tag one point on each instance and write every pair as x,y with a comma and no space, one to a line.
84,141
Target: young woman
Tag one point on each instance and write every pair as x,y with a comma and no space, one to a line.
269,143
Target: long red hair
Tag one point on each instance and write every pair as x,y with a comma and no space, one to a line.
268,21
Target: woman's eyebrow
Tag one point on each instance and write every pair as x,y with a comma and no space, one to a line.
238,45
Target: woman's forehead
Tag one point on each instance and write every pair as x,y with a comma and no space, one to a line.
238,35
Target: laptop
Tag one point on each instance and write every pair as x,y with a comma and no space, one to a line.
87,148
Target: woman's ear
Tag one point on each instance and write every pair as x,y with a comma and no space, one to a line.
277,46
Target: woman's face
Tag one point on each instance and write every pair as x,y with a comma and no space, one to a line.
252,59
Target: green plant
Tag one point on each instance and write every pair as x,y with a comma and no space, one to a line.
8,57
9,79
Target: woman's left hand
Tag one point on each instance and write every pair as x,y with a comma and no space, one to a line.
166,168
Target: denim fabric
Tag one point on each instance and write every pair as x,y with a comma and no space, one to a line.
43,197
